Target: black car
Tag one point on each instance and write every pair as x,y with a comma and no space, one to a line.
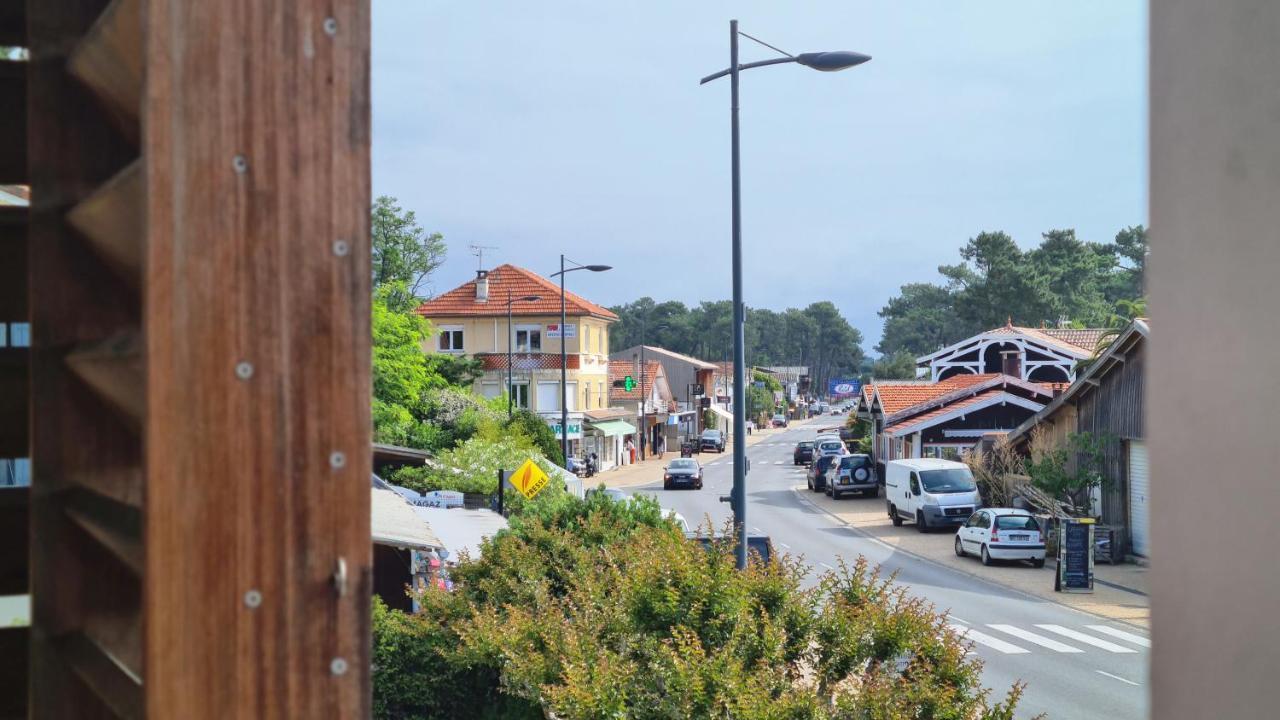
816,476
803,454
682,472
759,547
712,440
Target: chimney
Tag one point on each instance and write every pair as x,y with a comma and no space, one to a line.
1010,363
482,286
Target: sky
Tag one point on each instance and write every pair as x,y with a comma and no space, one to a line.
579,127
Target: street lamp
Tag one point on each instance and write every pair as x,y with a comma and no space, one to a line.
826,62
510,339
564,356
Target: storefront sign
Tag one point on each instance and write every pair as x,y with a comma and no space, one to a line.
843,387
570,330
529,479
575,428
1075,555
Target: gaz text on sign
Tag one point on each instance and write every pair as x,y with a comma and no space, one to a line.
529,479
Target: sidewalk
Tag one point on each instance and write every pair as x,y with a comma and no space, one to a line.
650,470
1120,591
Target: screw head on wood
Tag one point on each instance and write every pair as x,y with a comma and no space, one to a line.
244,370
240,164
252,599
337,666
341,248
330,26
337,460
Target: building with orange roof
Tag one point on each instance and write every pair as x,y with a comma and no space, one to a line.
471,320
1036,354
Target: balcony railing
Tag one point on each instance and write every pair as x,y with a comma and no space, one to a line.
526,361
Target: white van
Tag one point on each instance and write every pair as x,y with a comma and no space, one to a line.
931,492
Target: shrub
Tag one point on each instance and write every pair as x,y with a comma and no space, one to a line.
588,609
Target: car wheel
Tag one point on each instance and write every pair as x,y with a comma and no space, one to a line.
835,495
873,493
986,556
894,516
959,547
666,486
1039,562
922,525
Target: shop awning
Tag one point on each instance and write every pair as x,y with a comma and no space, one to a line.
722,413
613,428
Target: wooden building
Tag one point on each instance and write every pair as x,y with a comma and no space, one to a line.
1108,401
193,266
1035,354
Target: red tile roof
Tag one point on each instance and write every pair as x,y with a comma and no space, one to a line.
461,301
1086,338
619,369
923,420
894,398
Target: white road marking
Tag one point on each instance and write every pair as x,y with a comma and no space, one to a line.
1034,638
953,617
1135,639
1117,677
785,546
1086,639
826,566
992,642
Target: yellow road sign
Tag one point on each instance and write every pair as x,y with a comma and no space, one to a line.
529,479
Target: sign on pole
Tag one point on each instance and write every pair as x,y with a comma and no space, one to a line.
843,387
529,479
628,383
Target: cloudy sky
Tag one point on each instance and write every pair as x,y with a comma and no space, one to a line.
579,127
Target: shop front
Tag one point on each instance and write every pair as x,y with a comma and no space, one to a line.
606,438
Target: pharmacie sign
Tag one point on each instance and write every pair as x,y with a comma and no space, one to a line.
575,428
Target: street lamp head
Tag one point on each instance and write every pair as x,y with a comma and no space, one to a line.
832,61
598,268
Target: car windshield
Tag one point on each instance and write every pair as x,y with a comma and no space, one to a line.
830,445
1016,522
711,434
684,464
806,445
950,480
854,461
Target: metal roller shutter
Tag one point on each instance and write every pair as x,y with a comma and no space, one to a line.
1139,497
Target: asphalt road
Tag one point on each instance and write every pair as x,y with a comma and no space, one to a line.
1075,665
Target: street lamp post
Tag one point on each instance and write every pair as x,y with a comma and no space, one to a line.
826,62
564,356
510,342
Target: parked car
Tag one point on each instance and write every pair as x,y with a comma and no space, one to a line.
803,454
829,446
853,473
779,421
682,472
612,493
759,547
712,440
1002,534
932,492
816,474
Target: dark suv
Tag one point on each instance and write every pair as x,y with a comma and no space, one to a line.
803,454
816,476
711,440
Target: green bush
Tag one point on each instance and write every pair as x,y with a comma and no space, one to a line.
590,609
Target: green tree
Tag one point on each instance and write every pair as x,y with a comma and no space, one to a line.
402,251
919,320
540,434
589,609
898,366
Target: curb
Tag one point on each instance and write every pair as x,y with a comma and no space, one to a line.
983,578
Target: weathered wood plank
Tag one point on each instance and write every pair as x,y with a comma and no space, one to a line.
13,125
241,268
15,643
112,220
14,504
114,369
76,585
109,60
115,525
118,688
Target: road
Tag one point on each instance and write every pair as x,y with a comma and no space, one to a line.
1076,665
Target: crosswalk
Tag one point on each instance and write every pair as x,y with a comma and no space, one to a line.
1014,640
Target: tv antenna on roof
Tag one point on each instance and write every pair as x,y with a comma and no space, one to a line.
478,251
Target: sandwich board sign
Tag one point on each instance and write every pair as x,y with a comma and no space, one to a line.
1075,556
529,479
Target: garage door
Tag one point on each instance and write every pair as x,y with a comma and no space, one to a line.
1139,497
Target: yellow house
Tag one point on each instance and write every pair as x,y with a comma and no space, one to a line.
471,320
